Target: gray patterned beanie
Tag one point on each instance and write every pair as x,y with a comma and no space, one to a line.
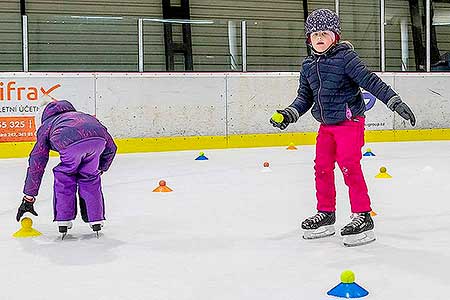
322,20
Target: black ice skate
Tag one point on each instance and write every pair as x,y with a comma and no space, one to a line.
63,227
359,231
96,227
318,226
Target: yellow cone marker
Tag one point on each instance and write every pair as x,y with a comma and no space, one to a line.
383,173
291,147
27,230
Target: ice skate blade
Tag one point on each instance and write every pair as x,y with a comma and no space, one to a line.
96,227
321,232
359,239
67,224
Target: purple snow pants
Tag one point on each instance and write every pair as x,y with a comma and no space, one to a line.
79,169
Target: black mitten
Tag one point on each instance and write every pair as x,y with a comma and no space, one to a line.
396,104
26,206
283,117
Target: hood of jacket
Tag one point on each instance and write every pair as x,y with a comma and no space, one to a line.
55,108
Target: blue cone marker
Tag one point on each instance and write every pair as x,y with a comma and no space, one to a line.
201,156
368,152
348,288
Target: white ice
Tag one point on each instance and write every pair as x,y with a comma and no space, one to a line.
230,231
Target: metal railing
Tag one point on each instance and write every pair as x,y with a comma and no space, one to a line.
238,42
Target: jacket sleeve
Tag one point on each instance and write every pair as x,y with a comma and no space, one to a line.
37,162
366,79
106,158
304,99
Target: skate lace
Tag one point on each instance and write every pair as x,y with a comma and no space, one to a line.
317,217
357,220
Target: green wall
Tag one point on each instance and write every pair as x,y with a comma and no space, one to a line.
61,40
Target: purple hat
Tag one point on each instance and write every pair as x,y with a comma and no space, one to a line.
322,20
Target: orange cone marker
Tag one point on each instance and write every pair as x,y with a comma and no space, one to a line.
162,188
266,167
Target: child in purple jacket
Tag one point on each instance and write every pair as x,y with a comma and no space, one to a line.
86,150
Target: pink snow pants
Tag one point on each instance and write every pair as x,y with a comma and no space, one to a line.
341,143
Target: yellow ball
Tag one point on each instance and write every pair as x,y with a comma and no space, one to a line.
347,276
26,223
277,117
202,154
368,150
382,170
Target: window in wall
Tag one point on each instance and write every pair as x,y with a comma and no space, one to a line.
361,26
10,42
216,46
405,35
275,45
82,43
440,36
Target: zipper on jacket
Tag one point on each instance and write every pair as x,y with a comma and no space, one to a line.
348,112
318,93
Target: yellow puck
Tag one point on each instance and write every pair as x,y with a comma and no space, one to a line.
347,276
277,117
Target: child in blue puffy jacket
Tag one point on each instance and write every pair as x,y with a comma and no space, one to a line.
330,81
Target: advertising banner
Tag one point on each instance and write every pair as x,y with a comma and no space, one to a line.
20,94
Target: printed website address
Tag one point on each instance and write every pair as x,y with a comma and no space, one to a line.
17,134
379,124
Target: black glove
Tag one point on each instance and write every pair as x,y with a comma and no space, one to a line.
405,112
26,206
290,115
397,105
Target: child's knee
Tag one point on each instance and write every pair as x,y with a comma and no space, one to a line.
324,169
350,168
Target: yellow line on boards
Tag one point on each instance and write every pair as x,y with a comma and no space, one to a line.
134,145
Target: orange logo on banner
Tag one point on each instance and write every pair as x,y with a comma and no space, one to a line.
10,92
47,92
17,129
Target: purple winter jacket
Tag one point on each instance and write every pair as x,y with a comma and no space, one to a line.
61,127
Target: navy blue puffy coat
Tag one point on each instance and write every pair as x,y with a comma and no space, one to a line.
330,84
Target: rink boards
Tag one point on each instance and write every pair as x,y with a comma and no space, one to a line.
175,111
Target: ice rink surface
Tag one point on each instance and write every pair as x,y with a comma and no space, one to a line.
230,231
